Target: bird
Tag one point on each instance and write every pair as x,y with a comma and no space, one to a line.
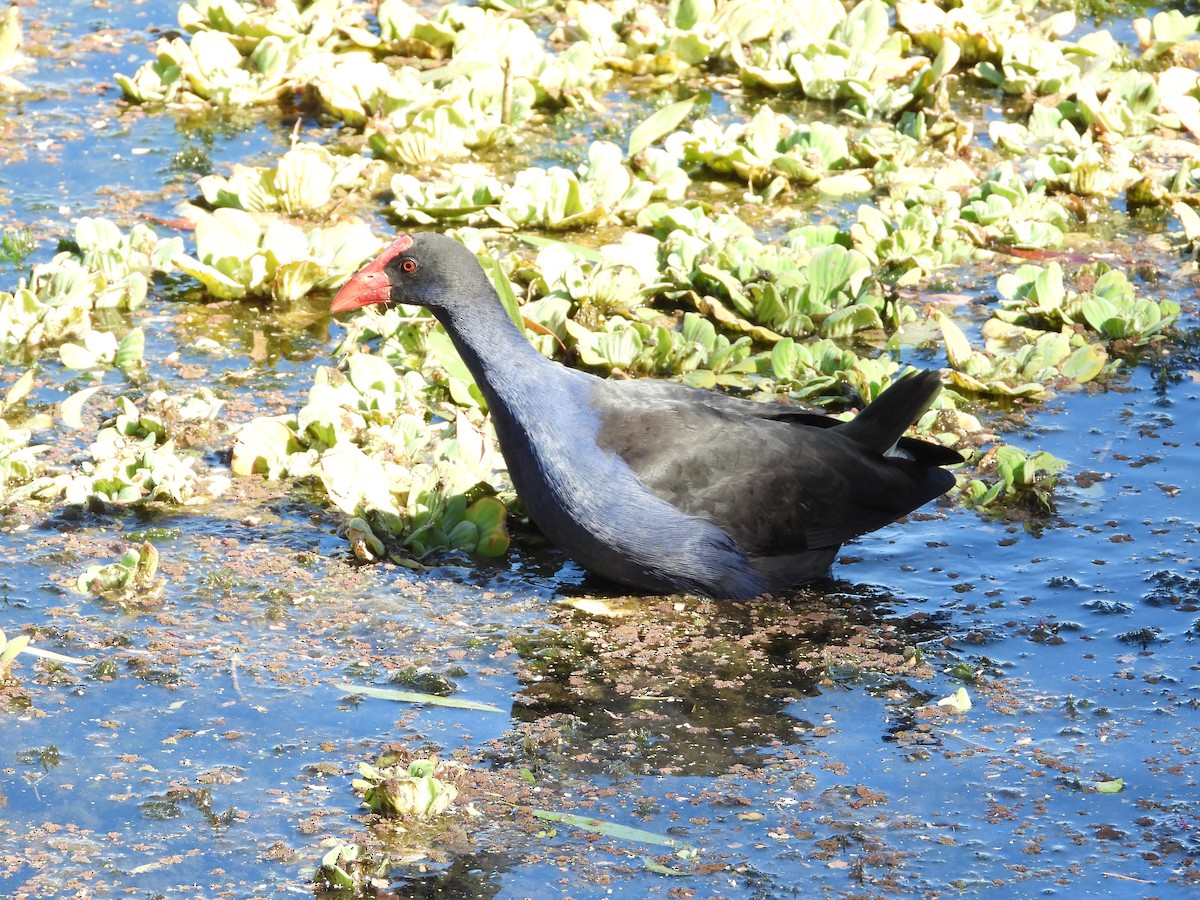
658,486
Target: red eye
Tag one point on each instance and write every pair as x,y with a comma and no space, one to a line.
408,265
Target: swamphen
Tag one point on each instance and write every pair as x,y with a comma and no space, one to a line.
659,486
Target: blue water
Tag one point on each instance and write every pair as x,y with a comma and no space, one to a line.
206,752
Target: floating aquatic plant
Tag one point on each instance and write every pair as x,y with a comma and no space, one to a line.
1008,212
596,290
769,145
636,38
449,126
1033,295
22,474
350,869
105,269
413,791
908,237
101,350
978,28
429,494
1130,105
1019,362
211,69
1030,64
240,54
1021,480
697,352
1059,152
125,470
20,464
237,257
852,57
131,580
477,97
1162,35
1036,295
134,459
1124,317
794,290
303,182
248,24
603,189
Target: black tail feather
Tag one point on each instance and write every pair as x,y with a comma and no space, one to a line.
884,421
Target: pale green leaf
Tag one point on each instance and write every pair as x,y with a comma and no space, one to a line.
612,829
12,648
19,391
504,289
131,349
959,701
588,254
662,123
51,655
415,697
659,869
72,407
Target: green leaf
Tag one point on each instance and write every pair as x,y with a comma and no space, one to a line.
1085,363
844,322
11,648
659,869
463,536
686,14
832,270
72,407
19,391
1010,465
415,697
1041,461
958,348
847,184
503,288
131,350
73,356
488,514
1189,219
958,702
367,372
659,125
51,655
1111,787
612,829
1048,286
587,254
261,445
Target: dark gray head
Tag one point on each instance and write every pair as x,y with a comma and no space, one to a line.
424,269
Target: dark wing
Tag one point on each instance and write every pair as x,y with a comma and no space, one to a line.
777,482
648,392
893,411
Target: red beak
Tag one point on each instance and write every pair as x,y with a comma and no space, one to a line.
371,284
363,289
